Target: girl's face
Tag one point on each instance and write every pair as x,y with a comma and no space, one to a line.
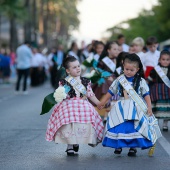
130,69
131,49
74,69
164,60
113,51
137,48
99,49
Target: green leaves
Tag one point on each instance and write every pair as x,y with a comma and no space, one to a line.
87,64
48,103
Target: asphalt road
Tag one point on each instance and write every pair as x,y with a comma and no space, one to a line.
23,145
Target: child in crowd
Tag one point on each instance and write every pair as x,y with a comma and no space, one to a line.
160,89
150,59
131,49
126,119
107,62
99,47
74,120
119,63
138,44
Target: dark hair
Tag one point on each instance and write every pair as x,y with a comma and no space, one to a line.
137,78
98,43
27,42
151,40
72,45
120,58
120,36
164,52
107,47
68,60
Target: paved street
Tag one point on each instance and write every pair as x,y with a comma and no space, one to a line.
23,145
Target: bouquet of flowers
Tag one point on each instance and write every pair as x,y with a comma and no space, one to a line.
97,75
53,98
60,94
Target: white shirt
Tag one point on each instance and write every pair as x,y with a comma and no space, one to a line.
38,60
141,56
96,57
151,59
125,47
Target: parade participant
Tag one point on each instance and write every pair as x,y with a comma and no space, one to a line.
150,58
73,51
138,44
126,125
107,62
121,42
99,47
119,63
74,120
159,81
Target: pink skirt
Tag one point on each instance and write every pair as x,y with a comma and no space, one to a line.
74,110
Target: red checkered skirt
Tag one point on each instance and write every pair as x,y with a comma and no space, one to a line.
74,110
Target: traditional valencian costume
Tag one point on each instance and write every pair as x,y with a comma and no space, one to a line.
101,71
160,91
74,120
127,124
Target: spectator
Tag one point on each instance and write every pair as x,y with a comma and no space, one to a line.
23,62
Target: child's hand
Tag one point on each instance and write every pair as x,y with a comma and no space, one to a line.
100,105
125,94
110,79
150,112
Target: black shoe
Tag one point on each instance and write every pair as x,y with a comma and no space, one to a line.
132,152
118,151
165,128
76,148
70,152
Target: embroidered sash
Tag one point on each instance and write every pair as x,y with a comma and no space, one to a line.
78,86
129,89
152,132
118,70
162,75
109,63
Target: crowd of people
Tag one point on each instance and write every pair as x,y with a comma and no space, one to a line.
126,84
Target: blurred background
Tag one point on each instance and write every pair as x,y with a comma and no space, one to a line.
48,22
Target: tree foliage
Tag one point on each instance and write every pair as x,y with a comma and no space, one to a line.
154,22
48,19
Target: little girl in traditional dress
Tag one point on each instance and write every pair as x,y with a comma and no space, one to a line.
74,120
159,81
126,125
